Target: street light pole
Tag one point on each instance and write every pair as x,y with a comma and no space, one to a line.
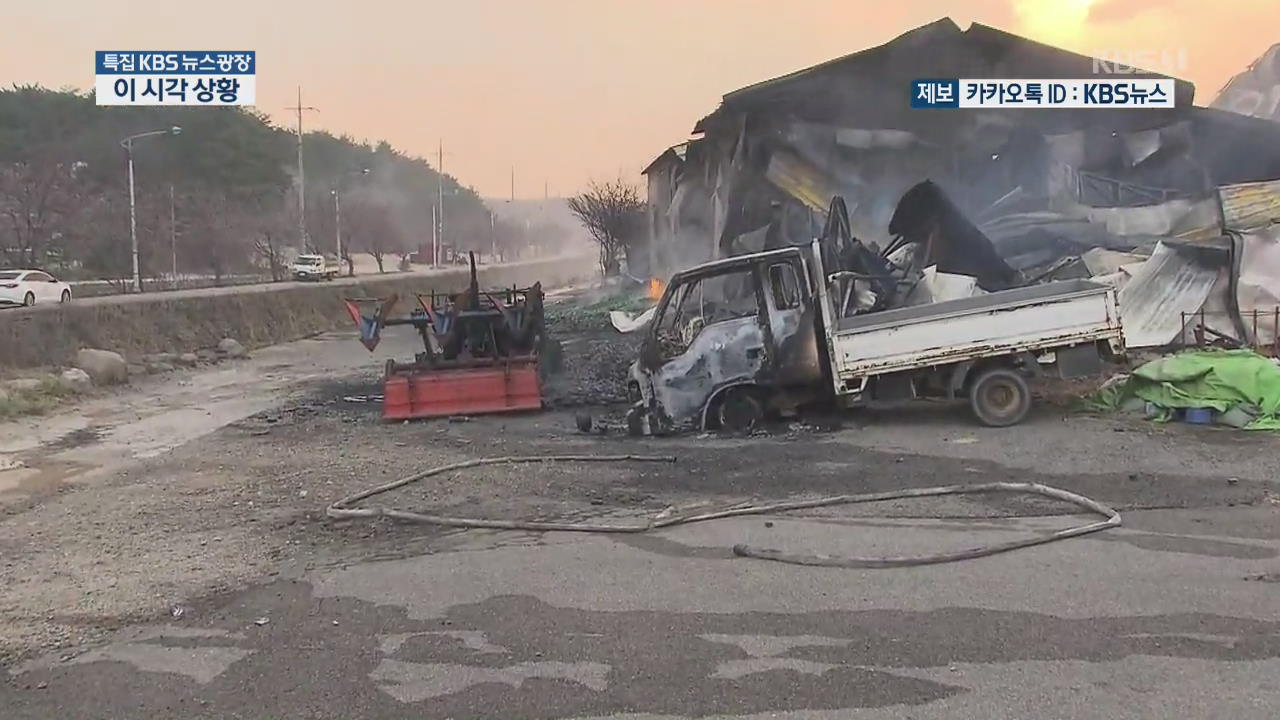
127,144
133,217
337,224
337,210
173,234
435,257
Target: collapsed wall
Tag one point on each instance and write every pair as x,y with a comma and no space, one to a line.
1043,185
135,325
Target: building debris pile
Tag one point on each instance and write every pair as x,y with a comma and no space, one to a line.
1179,209
593,369
1256,91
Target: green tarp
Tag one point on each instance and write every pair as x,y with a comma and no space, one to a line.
1217,379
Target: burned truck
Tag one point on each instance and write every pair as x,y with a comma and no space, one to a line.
736,340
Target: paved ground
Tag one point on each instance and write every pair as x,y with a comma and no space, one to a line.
196,578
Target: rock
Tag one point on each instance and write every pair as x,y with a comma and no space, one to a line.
77,379
136,369
232,348
103,366
207,356
159,367
188,359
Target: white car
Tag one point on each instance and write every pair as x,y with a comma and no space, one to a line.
29,287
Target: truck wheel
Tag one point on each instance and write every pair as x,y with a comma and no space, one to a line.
738,411
999,397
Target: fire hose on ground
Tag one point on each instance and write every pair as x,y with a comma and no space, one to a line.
345,509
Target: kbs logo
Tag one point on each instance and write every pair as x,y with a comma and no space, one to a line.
1130,62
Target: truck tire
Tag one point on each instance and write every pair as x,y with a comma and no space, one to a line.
738,411
999,397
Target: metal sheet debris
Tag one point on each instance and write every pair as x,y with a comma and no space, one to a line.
624,322
1258,287
1250,205
1165,287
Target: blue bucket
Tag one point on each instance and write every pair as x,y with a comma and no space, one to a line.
1200,416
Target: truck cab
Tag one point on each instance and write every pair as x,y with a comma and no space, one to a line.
314,267
727,340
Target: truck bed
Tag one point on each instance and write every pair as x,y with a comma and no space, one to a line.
1032,318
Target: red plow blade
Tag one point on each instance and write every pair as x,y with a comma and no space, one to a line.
441,392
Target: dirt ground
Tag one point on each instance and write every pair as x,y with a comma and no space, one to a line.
159,500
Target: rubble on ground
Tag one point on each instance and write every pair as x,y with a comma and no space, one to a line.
593,371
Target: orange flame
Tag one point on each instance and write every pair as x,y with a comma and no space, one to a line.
656,288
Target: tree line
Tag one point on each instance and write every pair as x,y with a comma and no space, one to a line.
218,199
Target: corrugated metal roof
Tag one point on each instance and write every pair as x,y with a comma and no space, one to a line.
1250,205
674,153
1163,287
800,180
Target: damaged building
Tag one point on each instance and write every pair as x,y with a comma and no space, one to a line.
1134,196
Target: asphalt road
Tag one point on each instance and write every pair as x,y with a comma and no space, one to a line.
238,289
1162,619
1174,615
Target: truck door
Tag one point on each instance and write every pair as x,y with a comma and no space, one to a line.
792,323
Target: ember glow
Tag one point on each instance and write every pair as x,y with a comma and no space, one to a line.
656,287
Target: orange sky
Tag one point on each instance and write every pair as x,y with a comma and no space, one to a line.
568,90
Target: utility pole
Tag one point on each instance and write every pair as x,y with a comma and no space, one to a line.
302,178
173,234
435,239
439,235
493,237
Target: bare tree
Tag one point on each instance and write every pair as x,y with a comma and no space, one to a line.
40,198
269,225
268,243
216,241
371,229
612,213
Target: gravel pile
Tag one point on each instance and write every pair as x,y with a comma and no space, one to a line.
593,370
